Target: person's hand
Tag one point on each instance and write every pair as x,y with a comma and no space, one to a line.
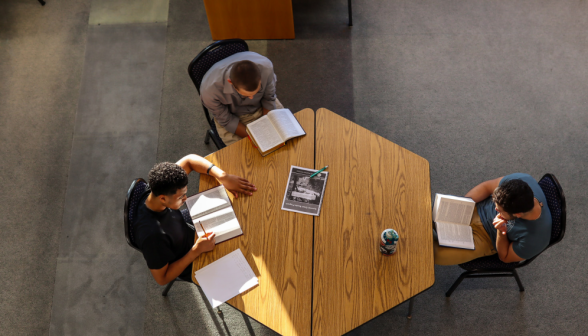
500,224
237,185
205,243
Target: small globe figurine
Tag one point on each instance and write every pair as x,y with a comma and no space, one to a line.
388,242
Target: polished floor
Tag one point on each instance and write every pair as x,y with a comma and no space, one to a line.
94,92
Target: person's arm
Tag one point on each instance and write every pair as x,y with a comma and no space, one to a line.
167,273
483,190
503,245
241,130
220,112
233,183
268,101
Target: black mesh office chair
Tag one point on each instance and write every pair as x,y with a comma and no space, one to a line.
215,52
491,266
137,189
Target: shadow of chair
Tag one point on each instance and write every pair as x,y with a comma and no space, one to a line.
492,267
215,52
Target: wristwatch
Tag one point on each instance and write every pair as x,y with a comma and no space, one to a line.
209,168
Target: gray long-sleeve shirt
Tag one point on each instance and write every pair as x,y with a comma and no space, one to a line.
224,102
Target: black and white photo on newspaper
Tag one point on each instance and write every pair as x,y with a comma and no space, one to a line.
304,194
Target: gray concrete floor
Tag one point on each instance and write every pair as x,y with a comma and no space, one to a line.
479,88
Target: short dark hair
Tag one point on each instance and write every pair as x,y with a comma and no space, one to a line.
166,178
245,75
514,196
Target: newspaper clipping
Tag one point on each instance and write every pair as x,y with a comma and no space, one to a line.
304,194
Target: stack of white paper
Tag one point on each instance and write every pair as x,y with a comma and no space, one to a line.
226,278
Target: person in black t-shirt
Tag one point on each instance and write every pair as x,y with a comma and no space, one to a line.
160,231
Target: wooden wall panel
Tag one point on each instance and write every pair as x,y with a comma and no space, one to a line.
250,20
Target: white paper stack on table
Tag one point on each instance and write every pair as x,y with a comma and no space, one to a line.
452,216
226,278
214,210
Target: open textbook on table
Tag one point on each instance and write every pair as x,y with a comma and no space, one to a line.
452,216
271,131
214,210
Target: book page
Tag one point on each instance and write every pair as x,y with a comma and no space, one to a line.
266,136
223,223
286,124
455,235
207,202
226,278
453,210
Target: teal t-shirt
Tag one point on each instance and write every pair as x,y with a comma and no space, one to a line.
529,237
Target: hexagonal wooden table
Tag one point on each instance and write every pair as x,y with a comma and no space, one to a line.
373,184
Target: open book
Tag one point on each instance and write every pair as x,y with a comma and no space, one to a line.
452,216
271,131
213,209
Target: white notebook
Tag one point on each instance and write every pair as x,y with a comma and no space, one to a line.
213,209
226,278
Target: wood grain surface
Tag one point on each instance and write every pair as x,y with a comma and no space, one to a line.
373,185
276,243
250,20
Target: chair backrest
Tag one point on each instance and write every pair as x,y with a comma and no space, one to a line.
137,189
215,52
556,201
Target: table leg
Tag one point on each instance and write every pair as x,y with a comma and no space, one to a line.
350,13
410,304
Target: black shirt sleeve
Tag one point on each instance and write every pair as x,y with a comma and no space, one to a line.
157,251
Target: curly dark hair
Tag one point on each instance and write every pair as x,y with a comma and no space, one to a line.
166,178
514,196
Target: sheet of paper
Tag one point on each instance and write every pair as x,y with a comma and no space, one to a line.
453,210
285,123
207,202
226,278
264,133
304,194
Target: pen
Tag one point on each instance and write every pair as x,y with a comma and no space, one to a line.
316,173
205,234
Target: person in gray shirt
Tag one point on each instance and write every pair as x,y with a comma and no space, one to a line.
238,90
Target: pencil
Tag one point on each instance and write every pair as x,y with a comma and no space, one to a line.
316,173
205,234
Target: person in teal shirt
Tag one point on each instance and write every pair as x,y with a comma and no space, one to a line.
528,232
511,219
